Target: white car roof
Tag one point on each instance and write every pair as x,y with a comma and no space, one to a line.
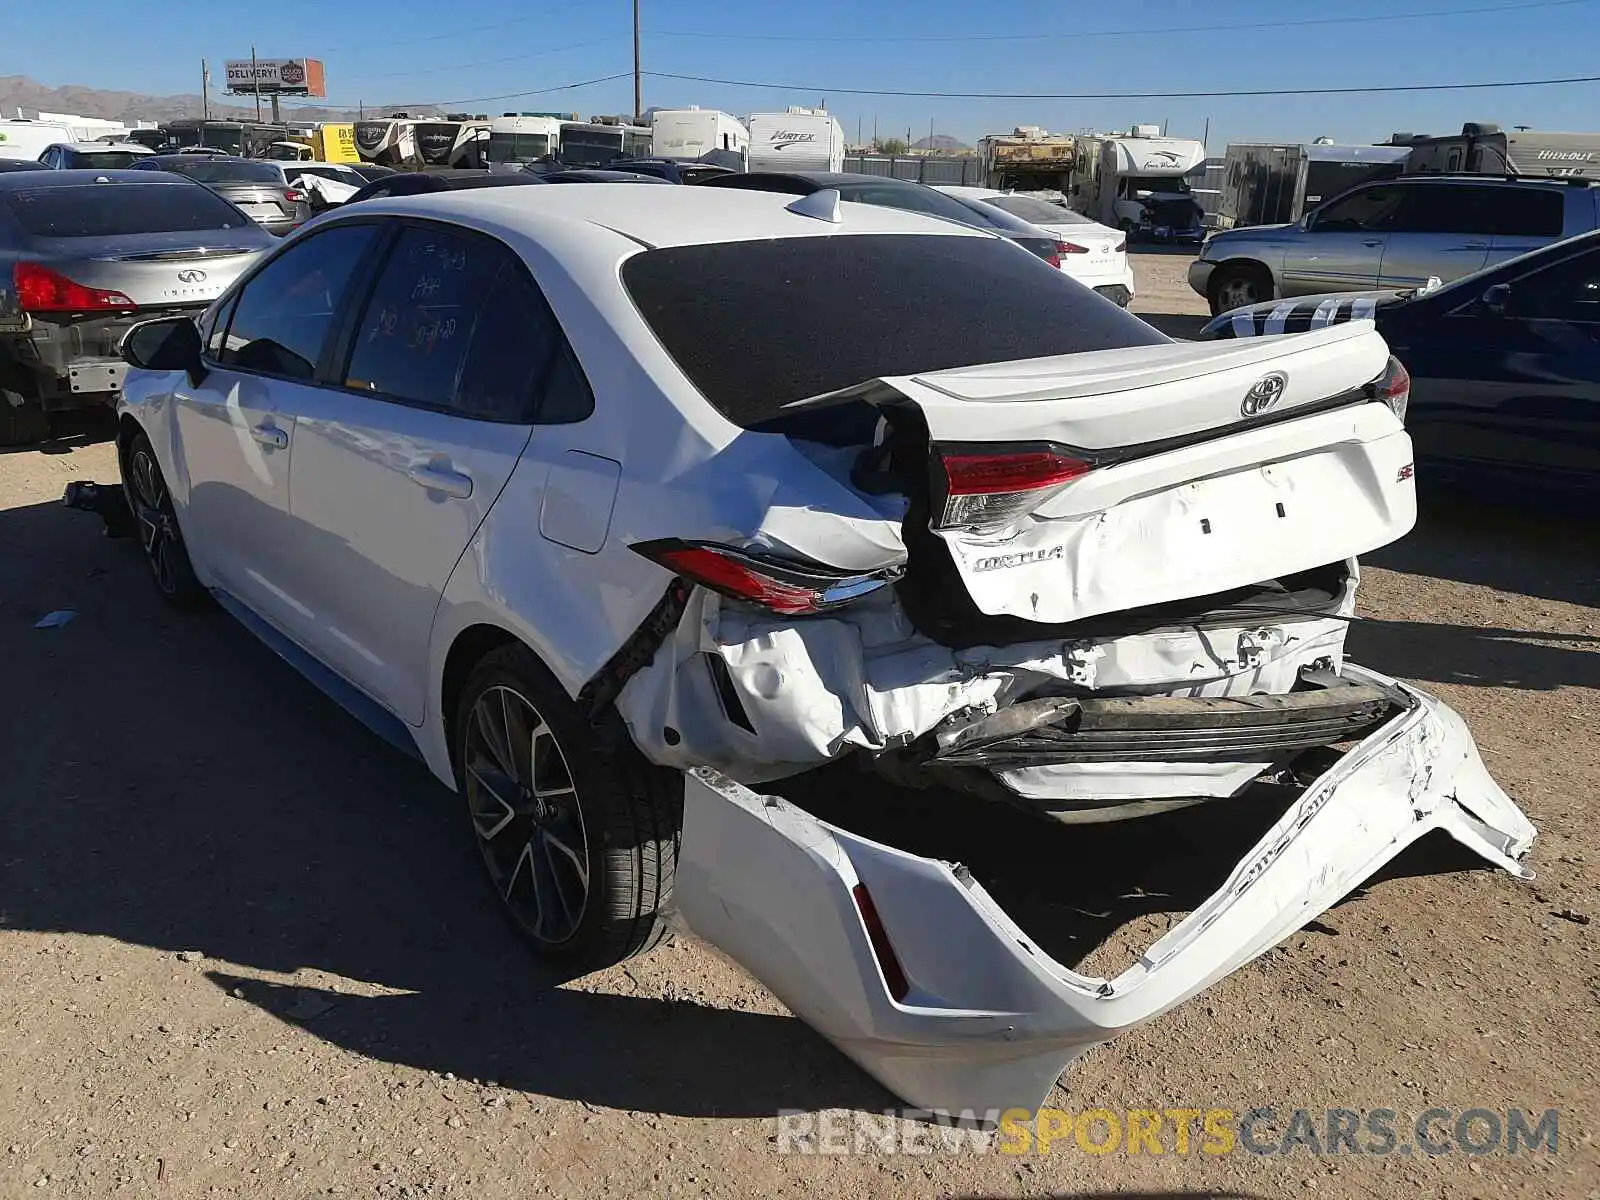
969,193
677,216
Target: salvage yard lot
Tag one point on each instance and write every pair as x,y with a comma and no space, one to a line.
246,949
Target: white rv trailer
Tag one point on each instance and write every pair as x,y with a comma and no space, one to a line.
801,139
1490,150
452,142
688,133
519,141
1139,182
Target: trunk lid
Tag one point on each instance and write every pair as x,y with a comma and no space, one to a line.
262,202
156,271
1155,474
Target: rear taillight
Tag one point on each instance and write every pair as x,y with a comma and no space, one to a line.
294,195
1393,387
894,975
1121,247
1071,248
793,589
39,289
1054,260
987,493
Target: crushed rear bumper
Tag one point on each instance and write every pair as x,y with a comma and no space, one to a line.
986,1020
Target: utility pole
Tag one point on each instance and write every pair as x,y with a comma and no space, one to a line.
638,91
255,82
1205,138
205,91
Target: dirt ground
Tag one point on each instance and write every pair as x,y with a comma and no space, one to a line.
245,951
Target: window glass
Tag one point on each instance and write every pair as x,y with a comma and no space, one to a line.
913,198
210,170
1568,291
1367,210
868,305
103,160
115,209
454,323
1523,211
217,333
286,310
1440,208
1040,212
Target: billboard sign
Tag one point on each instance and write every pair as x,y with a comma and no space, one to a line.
280,76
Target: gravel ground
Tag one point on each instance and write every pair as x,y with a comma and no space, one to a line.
247,951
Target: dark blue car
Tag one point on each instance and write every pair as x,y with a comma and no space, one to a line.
1505,368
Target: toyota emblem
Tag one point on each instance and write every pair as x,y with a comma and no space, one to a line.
1263,394
191,276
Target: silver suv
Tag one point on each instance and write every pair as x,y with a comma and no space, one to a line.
1394,233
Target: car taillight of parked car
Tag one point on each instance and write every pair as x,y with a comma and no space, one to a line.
989,491
1071,248
294,195
1121,247
790,588
39,289
1393,387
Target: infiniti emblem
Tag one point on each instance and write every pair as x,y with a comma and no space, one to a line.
1266,392
191,276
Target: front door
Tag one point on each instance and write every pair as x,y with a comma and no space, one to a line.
236,427
398,463
1443,230
1342,245
1514,394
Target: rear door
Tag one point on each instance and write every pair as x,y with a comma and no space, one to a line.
236,425
1523,218
1341,247
1440,229
438,384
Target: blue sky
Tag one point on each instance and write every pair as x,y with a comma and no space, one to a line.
383,52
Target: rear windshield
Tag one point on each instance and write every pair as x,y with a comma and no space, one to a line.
117,209
1040,212
105,160
204,171
757,325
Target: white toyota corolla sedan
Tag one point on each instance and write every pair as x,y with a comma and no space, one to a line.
615,504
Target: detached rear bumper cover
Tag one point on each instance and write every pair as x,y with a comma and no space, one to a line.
990,1021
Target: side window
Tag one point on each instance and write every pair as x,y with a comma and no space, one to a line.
1567,291
1454,162
1524,211
455,323
1441,208
286,310
1367,210
216,334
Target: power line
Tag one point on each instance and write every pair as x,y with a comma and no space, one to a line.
1113,33
544,91
821,89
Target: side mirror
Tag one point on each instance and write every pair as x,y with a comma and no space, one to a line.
165,344
1497,300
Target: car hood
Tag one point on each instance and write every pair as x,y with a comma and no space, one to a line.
1250,233
1304,313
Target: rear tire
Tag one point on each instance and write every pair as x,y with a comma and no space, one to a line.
578,832
1234,287
156,526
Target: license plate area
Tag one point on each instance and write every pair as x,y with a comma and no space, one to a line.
96,377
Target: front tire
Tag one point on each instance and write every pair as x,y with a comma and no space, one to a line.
578,832
156,525
1238,287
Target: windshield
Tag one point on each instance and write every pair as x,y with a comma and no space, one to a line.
203,170
865,306
119,209
913,197
518,147
590,147
1171,185
1039,212
105,160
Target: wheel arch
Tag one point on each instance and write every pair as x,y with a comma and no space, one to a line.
467,649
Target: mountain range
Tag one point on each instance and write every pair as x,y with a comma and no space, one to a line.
18,91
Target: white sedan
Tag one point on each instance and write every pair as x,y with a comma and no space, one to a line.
614,504
1094,255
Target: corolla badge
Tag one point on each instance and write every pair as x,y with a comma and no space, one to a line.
191,276
1263,394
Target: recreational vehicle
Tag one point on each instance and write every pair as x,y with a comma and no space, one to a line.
456,141
388,141
687,133
600,141
1028,160
1139,182
801,139
1490,150
519,141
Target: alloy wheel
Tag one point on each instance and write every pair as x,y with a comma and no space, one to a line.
524,807
1236,292
152,510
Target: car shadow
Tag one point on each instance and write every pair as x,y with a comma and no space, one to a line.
1183,326
69,431
1470,654
171,783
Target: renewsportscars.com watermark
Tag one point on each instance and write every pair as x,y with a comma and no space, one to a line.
1377,1132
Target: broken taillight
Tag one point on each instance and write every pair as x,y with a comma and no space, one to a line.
1393,387
39,289
987,493
793,589
894,976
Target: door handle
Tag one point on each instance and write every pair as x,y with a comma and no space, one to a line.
1477,245
1373,242
270,435
441,479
